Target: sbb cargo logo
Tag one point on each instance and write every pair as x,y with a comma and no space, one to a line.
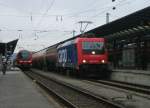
62,56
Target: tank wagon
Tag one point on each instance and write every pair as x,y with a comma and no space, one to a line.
80,56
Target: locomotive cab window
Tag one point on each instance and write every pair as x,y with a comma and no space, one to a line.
24,55
93,47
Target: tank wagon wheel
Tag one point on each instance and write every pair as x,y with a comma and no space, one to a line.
61,71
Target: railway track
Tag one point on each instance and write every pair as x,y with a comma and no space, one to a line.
143,91
72,97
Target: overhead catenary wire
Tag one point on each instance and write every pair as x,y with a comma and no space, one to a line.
50,6
6,6
102,10
96,15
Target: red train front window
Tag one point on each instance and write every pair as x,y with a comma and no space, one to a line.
24,55
93,48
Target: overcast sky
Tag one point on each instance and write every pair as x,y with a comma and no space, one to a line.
41,23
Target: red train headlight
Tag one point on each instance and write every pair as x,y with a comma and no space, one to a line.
29,61
20,61
84,61
102,61
93,52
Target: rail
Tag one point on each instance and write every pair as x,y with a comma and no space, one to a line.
143,91
72,96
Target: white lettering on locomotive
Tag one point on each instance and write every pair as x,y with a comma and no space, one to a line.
62,56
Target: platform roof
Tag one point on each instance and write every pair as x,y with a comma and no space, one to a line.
134,20
2,48
10,46
127,25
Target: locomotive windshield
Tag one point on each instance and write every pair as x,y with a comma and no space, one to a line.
96,47
24,55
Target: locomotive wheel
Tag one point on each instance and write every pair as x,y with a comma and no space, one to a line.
80,73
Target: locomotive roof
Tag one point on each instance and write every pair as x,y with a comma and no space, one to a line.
75,40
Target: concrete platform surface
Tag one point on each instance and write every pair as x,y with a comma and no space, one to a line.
140,77
18,91
146,72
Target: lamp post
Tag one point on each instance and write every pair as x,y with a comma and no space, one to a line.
107,17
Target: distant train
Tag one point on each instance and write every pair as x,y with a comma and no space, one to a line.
24,59
79,56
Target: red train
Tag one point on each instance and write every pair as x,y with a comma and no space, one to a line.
24,59
80,56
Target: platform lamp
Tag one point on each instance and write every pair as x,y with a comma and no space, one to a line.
113,6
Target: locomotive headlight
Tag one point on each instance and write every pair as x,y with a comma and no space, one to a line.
29,61
93,52
20,61
103,61
84,61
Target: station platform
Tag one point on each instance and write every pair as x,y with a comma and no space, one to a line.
146,72
18,91
140,77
